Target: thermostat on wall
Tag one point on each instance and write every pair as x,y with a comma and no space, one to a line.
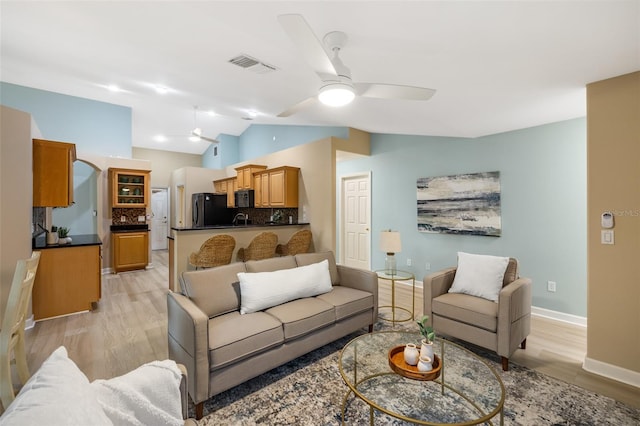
607,220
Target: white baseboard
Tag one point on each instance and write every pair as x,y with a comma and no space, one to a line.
612,372
559,316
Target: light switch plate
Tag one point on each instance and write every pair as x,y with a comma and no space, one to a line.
606,236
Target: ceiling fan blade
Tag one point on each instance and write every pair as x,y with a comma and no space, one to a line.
298,107
204,138
394,91
305,39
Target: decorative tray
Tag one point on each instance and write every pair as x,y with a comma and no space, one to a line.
397,364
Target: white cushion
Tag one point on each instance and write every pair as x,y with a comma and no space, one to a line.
479,275
57,394
262,290
148,395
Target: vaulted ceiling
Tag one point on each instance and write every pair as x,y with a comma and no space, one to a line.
496,66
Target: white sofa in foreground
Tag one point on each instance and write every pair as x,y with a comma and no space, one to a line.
60,394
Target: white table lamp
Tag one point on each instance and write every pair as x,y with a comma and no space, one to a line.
390,244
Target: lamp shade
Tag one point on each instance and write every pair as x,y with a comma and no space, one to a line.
390,242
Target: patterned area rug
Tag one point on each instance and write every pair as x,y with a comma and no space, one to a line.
310,391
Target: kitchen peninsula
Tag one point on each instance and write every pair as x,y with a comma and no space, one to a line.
184,241
68,278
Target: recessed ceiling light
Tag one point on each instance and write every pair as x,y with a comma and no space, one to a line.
160,138
211,113
252,113
113,88
161,90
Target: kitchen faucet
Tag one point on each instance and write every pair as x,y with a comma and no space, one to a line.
241,216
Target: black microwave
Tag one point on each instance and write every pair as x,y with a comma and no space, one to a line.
245,198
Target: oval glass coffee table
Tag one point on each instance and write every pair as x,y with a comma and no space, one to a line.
468,391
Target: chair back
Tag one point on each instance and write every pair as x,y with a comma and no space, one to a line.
12,332
216,251
298,243
261,247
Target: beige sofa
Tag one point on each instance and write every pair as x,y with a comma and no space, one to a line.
222,348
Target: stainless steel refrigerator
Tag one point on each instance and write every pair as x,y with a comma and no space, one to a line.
209,209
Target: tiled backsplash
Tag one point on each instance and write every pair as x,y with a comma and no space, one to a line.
129,214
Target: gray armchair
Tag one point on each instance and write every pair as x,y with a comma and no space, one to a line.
500,326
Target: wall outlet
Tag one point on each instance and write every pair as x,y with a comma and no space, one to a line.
409,262
141,218
427,266
123,218
551,286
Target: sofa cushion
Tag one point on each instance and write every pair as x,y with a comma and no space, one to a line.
263,290
57,394
479,275
214,290
347,301
233,337
303,259
472,310
272,264
303,316
148,395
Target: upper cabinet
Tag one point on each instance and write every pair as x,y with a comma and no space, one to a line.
129,188
227,186
245,175
283,187
53,173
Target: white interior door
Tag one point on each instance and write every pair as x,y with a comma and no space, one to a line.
159,219
356,221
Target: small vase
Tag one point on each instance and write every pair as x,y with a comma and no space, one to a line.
411,354
425,364
426,349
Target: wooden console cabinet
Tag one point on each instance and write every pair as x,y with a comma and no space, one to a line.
130,250
53,173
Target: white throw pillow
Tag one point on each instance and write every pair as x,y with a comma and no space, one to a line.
262,290
479,275
57,394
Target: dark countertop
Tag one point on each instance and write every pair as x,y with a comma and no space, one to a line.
239,227
40,242
129,228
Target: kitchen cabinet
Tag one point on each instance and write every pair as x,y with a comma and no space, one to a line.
129,188
53,173
245,175
227,186
68,280
283,187
130,250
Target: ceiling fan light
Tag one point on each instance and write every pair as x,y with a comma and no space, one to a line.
336,94
197,132
194,138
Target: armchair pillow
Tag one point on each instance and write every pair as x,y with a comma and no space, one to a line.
262,290
479,275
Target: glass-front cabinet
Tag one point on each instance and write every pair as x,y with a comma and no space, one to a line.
129,188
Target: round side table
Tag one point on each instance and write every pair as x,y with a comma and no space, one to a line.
393,276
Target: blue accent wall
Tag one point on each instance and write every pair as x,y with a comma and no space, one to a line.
227,153
262,139
543,194
95,127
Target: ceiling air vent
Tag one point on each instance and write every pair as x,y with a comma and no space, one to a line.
252,64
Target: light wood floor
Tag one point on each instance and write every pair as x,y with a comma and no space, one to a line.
129,328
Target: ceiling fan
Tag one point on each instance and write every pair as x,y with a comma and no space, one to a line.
337,88
195,135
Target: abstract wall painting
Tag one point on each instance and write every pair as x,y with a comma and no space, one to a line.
465,204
